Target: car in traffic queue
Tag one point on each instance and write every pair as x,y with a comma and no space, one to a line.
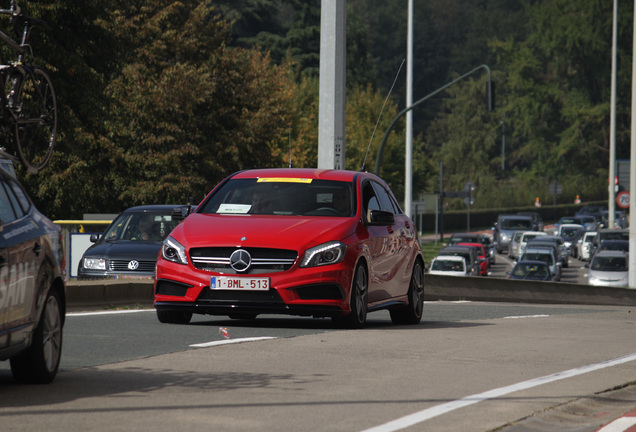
588,221
32,288
484,239
506,225
491,248
614,245
607,234
585,245
609,268
514,245
563,254
468,253
538,224
481,255
448,265
531,270
129,246
569,232
308,242
545,254
526,237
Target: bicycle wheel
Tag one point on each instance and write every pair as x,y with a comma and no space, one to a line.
35,108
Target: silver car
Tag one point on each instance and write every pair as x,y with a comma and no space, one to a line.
609,268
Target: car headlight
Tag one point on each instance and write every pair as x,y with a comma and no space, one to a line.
504,237
324,254
94,263
172,250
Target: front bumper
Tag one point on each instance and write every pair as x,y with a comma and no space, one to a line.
317,291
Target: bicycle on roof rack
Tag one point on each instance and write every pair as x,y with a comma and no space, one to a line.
28,107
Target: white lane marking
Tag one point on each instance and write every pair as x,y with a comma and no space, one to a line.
438,410
230,341
619,425
113,312
526,316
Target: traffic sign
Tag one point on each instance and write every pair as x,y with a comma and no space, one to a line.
622,199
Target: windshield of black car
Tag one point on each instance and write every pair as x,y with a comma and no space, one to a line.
283,196
140,226
609,263
516,224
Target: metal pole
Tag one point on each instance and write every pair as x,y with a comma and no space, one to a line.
408,159
632,167
611,204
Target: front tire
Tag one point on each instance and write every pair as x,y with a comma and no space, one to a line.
39,363
359,301
412,313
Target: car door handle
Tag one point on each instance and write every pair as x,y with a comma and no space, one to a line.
37,248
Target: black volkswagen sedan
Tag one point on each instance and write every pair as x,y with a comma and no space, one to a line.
130,244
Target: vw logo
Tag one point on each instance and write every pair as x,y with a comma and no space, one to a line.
133,265
240,260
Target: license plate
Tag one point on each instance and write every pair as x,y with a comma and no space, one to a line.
239,283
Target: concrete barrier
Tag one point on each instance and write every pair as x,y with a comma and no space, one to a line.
520,291
109,293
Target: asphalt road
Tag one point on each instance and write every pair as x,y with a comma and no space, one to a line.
467,366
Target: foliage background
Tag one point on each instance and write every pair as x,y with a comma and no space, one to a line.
160,100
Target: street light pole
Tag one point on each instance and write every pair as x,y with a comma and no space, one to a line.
408,158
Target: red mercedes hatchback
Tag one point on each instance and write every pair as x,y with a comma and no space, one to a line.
312,242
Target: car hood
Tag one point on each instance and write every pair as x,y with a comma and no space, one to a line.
124,249
289,232
608,275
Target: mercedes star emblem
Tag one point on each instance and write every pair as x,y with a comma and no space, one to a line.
240,260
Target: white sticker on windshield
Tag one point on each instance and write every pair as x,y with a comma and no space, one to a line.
234,208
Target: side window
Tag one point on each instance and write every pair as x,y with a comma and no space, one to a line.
383,197
370,199
20,201
6,205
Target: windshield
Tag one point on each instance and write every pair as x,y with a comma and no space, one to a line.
448,265
530,271
618,264
283,196
516,224
537,256
141,226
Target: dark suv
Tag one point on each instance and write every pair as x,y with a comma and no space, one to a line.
32,290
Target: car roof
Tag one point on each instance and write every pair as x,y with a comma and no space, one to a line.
512,216
305,173
539,249
531,262
153,208
611,253
450,257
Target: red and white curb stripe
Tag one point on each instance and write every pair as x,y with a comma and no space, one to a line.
627,423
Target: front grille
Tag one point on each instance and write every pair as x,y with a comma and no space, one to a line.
122,266
264,260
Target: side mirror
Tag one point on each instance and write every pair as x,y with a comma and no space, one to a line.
180,213
95,237
380,217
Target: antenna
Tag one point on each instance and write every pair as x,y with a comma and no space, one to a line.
364,163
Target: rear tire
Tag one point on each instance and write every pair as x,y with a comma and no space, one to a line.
412,313
35,107
39,363
174,317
